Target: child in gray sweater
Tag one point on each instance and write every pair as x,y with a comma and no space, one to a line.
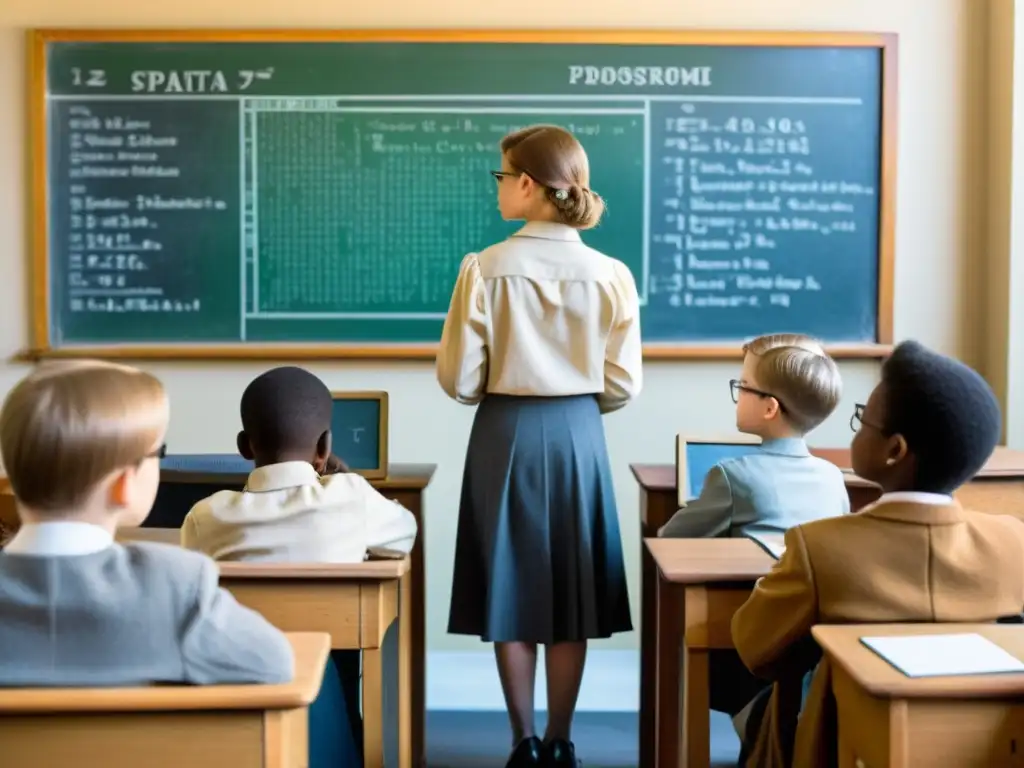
81,443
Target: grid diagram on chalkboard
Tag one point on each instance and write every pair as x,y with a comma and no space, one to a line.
262,193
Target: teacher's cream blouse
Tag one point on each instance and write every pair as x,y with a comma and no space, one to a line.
542,314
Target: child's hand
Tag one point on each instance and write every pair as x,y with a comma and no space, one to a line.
334,465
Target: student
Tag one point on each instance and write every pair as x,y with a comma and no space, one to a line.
544,333
787,387
299,505
913,556
291,510
81,445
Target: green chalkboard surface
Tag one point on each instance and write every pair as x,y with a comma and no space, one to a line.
264,194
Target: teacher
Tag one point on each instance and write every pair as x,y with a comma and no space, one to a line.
544,333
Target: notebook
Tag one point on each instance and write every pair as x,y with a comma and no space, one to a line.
937,655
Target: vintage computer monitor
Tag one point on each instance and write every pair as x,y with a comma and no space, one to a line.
695,456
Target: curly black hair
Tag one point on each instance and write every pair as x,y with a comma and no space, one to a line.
286,410
946,412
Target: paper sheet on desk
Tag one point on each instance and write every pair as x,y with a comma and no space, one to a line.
772,543
936,655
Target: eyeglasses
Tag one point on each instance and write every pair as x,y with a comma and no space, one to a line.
857,420
735,387
159,453
499,175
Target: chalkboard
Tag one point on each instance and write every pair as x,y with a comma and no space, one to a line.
696,456
273,194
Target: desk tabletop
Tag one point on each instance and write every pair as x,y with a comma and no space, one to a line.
699,561
157,535
400,477
311,649
1004,462
879,678
372,570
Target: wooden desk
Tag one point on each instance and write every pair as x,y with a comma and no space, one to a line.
355,605
999,487
213,726
405,484
887,719
700,584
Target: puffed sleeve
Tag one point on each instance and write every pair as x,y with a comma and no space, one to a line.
623,362
462,356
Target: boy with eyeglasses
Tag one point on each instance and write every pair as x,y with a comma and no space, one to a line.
81,444
913,556
788,386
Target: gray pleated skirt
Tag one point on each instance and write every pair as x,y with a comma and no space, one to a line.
538,554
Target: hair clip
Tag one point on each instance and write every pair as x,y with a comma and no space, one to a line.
561,194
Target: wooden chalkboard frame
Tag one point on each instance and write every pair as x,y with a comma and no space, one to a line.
382,428
736,438
40,293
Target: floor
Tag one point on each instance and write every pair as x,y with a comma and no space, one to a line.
603,739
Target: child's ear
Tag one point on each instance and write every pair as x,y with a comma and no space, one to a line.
119,492
323,445
323,453
771,408
896,450
244,447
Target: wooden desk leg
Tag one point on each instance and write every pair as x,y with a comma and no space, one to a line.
373,708
648,658
669,631
286,738
847,756
405,753
694,708
418,641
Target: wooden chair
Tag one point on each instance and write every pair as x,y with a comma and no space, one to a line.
215,726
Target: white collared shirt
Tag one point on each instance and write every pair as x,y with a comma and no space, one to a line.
912,497
59,538
288,513
542,314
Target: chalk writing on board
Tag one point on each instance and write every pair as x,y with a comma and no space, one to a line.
733,185
306,214
729,187
588,74
220,185
176,80
117,261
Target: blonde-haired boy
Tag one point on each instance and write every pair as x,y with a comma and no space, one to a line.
81,443
787,387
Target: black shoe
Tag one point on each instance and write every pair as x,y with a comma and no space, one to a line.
527,752
561,754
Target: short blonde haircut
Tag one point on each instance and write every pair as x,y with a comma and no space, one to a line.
67,426
797,371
